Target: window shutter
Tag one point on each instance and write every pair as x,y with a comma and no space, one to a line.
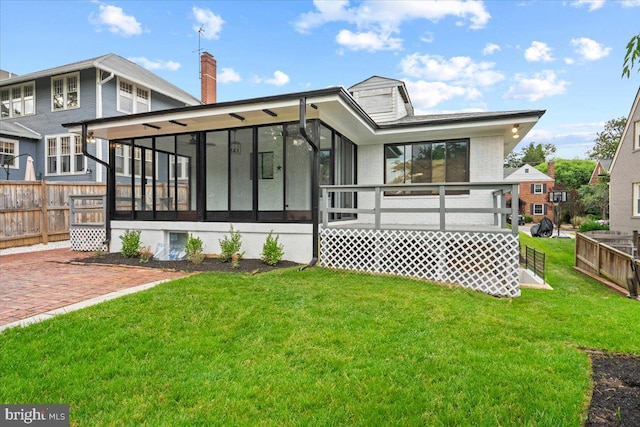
531,209
545,208
533,188
544,188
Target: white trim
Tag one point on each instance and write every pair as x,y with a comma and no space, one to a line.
73,152
10,89
635,203
534,206
65,91
16,151
636,135
133,97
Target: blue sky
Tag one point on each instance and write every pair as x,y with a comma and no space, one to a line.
562,56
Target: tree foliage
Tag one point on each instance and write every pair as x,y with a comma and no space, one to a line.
533,154
607,141
570,174
632,55
595,198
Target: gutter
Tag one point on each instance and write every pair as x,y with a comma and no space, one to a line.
315,186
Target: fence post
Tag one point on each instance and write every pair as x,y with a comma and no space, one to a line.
44,224
636,242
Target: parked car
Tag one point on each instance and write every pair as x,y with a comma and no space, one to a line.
520,219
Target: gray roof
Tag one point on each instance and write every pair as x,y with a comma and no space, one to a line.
435,119
118,65
12,129
606,163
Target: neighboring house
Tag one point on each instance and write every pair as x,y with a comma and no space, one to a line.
534,190
601,169
624,183
34,106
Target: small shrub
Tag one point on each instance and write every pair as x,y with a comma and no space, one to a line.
272,251
146,254
130,244
235,261
528,219
194,249
230,246
577,220
592,226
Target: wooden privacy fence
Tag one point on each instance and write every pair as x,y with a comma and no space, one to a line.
33,212
606,264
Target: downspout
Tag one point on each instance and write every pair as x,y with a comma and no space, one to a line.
107,219
315,184
100,83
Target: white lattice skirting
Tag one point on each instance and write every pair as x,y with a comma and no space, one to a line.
485,261
88,239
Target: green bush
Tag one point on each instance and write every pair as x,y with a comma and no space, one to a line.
230,246
146,255
131,244
272,251
194,249
528,219
592,226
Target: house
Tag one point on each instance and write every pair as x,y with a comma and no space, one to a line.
318,167
34,106
624,183
601,169
533,191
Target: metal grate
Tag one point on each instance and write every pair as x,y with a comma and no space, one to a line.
88,239
487,261
534,261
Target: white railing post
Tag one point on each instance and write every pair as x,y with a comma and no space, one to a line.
515,203
441,190
377,196
325,207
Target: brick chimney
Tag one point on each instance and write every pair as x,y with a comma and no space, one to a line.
208,78
551,170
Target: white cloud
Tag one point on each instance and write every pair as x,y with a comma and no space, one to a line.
490,49
279,79
541,85
117,21
369,41
538,51
592,4
228,75
210,23
155,65
569,61
426,95
461,70
630,3
428,37
589,49
383,18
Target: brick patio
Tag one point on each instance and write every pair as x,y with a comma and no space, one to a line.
33,283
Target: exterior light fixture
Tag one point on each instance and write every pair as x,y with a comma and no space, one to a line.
514,130
91,138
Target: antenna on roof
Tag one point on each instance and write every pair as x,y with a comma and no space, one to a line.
200,31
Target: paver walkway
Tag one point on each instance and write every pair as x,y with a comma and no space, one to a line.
33,283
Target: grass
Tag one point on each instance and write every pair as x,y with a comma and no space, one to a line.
324,348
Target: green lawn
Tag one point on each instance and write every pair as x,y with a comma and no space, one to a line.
324,348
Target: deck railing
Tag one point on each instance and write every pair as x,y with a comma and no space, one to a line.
436,191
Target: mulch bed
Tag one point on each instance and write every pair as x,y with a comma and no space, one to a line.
252,266
616,390
616,378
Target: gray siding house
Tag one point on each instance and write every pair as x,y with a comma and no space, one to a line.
34,106
624,185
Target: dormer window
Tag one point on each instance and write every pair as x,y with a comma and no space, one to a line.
17,101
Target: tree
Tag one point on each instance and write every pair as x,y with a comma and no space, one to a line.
532,154
607,141
632,55
595,198
570,174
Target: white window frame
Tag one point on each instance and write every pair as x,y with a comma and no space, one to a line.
65,91
15,152
534,210
7,100
59,141
635,208
538,188
636,135
183,161
135,97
